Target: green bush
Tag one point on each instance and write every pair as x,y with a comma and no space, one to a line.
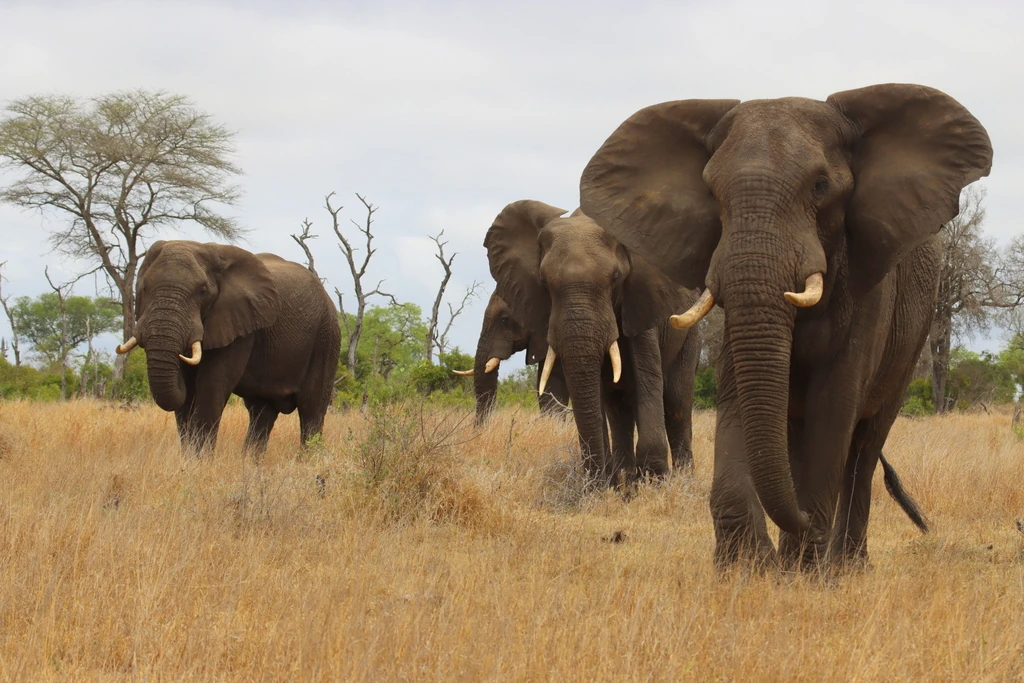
705,389
134,386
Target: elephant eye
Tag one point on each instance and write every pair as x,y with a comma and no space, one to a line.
504,320
203,289
616,275
820,188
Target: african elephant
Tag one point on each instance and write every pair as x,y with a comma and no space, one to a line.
813,224
501,336
599,308
252,324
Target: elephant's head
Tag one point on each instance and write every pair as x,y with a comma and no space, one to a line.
501,336
778,204
192,297
571,283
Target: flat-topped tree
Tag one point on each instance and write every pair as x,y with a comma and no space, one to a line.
118,168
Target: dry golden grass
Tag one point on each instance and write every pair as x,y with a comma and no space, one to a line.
410,559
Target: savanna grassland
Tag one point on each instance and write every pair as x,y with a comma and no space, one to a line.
410,546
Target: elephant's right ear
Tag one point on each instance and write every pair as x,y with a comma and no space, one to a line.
150,257
514,257
646,187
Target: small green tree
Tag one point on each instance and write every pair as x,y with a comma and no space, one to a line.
39,321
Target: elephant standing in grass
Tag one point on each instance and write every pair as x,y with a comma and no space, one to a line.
501,336
215,320
814,225
603,312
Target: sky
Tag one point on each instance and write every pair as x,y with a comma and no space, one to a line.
443,113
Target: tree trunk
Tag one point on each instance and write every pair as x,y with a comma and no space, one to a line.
939,345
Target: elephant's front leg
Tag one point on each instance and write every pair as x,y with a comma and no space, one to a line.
830,415
622,422
652,449
216,378
740,529
739,520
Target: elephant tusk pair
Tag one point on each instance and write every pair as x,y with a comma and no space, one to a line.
492,365
549,365
197,354
127,346
811,295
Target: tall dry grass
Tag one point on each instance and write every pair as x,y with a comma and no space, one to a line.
413,547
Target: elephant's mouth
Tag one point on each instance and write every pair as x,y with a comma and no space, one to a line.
551,357
813,288
195,356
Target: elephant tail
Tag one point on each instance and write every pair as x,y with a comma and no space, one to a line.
895,488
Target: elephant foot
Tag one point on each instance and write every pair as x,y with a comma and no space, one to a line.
744,546
683,464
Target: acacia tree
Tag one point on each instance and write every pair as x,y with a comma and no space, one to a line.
976,283
435,338
118,167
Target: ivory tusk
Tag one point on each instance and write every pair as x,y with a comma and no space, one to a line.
127,346
464,373
613,351
696,313
492,365
197,354
811,294
545,375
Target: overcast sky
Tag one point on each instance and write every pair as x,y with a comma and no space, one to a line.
442,113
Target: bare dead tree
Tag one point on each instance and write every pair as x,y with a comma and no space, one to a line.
301,240
354,326
5,301
118,167
976,283
435,339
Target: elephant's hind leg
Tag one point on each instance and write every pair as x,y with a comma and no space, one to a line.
262,416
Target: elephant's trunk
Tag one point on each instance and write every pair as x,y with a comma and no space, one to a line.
485,384
759,329
166,381
582,363
162,338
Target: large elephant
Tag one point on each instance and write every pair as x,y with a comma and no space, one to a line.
813,224
502,336
251,324
599,308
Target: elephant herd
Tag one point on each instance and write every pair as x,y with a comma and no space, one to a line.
812,224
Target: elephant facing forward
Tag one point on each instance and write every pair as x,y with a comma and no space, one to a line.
813,224
215,320
501,336
603,312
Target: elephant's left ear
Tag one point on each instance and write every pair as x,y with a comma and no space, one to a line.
247,297
914,150
649,297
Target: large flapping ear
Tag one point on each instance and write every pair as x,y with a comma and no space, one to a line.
645,186
514,257
247,298
649,297
915,148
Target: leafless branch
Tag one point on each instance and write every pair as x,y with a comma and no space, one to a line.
356,271
301,240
